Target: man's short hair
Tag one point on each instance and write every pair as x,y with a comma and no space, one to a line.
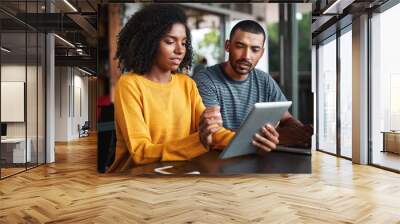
250,26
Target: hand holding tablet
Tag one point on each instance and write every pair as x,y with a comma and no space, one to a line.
261,114
266,139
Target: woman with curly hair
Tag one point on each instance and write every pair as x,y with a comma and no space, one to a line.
157,109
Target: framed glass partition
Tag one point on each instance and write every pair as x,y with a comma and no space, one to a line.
385,89
334,92
22,77
327,95
14,148
13,94
346,92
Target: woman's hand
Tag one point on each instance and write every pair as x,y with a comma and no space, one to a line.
210,122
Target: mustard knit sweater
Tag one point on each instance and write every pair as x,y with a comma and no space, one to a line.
158,121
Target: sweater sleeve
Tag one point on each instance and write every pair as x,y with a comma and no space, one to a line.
222,138
136,134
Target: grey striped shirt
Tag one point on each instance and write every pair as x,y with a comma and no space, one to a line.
236,98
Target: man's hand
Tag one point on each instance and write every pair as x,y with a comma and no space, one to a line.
266,139
210,122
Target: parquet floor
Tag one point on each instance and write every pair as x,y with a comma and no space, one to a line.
10,171
387,159
71,191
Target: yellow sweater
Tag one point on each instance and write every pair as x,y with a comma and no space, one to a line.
158,121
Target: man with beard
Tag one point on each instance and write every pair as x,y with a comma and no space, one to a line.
230,89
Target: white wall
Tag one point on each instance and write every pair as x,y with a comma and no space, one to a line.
71,102
61,103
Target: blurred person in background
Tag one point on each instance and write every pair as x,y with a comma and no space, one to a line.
202,64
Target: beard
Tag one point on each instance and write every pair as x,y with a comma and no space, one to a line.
242,66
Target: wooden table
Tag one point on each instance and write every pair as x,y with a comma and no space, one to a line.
208,164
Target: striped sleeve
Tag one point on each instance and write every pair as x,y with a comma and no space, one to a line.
273,91
207,89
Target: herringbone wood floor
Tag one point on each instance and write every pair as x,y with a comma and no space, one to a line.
71,191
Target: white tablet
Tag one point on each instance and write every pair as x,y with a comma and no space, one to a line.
261,113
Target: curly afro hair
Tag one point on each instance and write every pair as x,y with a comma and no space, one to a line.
139,39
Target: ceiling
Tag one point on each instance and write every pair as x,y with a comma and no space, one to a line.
330,15
76,22
72,20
